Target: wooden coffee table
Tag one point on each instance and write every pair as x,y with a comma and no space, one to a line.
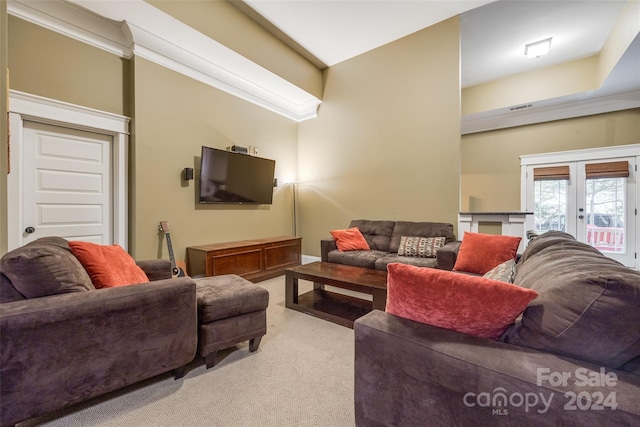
333,306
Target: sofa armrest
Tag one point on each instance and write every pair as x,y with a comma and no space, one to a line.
447,255
58,350
156,269
407,372
326,246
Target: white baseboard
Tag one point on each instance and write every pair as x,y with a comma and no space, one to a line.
308,259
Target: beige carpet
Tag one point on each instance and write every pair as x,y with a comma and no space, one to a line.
302,375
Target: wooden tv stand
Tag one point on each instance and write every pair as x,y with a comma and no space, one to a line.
255,260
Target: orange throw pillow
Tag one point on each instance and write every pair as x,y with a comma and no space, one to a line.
469,304
108,266
480,253
350,239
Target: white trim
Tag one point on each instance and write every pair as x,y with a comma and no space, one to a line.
308,259
23,106
581,155
512,224
134,27
567,107
74,22
50,110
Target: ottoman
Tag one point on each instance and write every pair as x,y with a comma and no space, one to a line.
230,310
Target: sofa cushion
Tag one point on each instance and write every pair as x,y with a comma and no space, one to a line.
463,303
546,239
587,308
8,292
421,247
480,252
108,265
383,262
419,229
44,267
350,239
364,259
228,295
376,233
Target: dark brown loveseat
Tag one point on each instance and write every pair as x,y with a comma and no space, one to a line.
572,359
67,343
384,237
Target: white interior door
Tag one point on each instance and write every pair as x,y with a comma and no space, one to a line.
67,184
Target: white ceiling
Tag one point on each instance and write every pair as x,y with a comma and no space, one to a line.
493,34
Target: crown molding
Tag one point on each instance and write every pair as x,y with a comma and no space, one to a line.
566,107
54,111
134,27
73,22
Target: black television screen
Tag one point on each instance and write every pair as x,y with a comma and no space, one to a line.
228,177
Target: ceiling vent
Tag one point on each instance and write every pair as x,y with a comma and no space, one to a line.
520,107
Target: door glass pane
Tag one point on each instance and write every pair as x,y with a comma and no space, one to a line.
550,205
605,214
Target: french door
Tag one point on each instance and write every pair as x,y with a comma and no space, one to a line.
590,194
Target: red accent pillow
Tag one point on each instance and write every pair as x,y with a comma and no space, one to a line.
480,253
350,239
108,266
469,304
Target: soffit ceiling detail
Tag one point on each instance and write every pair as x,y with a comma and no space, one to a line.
137,28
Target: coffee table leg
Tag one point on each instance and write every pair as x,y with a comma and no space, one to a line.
379,299
291,289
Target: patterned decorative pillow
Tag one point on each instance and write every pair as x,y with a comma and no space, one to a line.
422,247
504,272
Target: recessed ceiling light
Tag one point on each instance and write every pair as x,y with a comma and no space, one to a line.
537,49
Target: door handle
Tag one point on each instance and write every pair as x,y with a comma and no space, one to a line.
581,216
29,230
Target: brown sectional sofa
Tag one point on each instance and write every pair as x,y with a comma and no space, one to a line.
571,359
72,343
383,238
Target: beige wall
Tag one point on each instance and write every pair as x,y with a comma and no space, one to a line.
626,29
55,66
490,177
550,82
569,78
386,144
174,117
222,22
3,125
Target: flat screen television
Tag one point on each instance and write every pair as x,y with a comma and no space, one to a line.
228,177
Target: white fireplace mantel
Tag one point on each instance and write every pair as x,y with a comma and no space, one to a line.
513,223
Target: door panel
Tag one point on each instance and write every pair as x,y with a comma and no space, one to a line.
606,212
67,188
600,212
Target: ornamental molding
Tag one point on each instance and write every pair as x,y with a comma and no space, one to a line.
135,27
